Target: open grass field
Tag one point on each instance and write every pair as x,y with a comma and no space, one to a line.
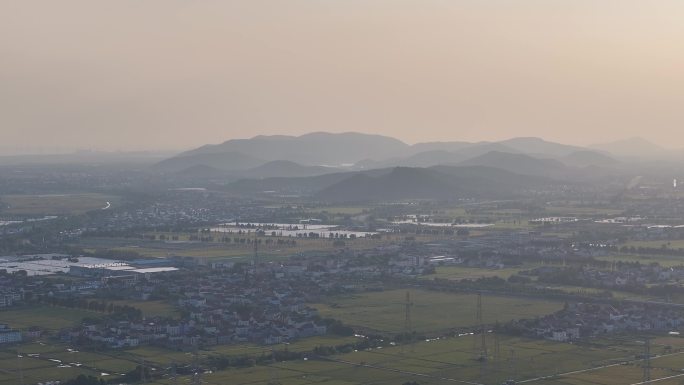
432,311
162,356
45,317
617,294
62,204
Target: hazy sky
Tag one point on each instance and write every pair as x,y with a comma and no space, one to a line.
160,74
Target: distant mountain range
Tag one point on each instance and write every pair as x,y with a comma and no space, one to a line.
313,149
360,167
354,167
319,153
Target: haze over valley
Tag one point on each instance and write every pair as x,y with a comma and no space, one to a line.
341,192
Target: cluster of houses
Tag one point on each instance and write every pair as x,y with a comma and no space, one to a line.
220,308
583,320
11,290
8,335
619,276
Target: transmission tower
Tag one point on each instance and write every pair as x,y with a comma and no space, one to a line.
408,325
21,370
256,249
513,367
482,355
496,355
647,361
143,378
197,372
273,370
483,332
174,374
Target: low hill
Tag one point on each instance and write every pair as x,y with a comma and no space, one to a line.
222,161
201,171
437,157
285,168
633,148
438,183
540,147
588,158
400,183
285,186
518,163
318,148
440,146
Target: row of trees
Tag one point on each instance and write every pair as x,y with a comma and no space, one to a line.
122,312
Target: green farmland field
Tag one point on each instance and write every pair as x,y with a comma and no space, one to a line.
432,311
452,360
443,361
45,317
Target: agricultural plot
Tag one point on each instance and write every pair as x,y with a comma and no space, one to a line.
443,361
432,311
665,244
39,362
453,360
663,260
45,317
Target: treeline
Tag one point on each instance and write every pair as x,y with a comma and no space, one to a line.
85,380
515,284
245,241
662,250
427,230
119,312
573,277
223,362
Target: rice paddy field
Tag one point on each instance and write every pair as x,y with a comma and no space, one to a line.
616,361
437,361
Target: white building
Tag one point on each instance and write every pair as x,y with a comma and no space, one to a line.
8,336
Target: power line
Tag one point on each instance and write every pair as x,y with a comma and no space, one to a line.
483,332
196,372
142,372
174,374
408,324
647,361
256,249
482,357
21,370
